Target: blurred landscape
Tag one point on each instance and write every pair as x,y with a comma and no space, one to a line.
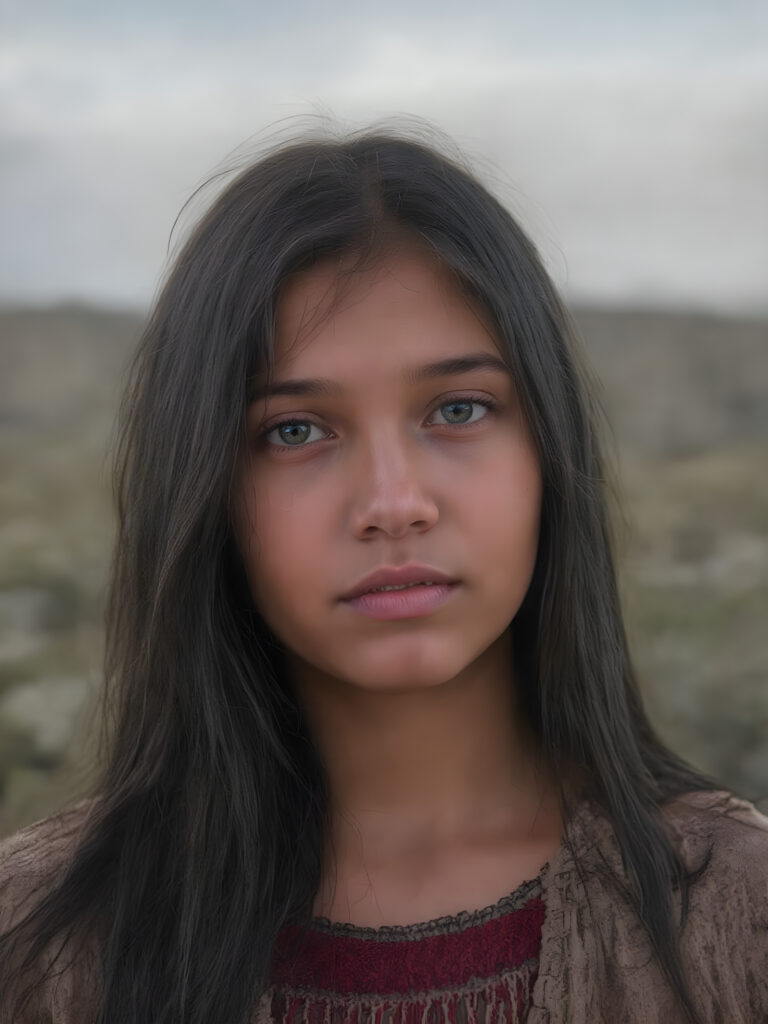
687,396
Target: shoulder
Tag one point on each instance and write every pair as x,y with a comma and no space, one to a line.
726,832
724,842
32,859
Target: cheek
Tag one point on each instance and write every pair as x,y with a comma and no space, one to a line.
280,539
506,527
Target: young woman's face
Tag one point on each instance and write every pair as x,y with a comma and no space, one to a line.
387,465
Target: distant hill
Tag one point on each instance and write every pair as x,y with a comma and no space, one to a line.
673,382
680,382
61,364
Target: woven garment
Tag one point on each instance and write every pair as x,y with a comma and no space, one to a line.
595,963
476,967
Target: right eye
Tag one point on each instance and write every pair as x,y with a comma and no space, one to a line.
293,432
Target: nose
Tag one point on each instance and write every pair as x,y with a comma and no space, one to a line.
391,489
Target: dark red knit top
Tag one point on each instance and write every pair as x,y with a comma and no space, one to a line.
477,966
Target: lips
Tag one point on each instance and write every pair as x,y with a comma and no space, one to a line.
397,576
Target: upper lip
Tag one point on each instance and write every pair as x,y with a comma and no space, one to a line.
393,576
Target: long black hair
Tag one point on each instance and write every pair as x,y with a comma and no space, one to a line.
206,831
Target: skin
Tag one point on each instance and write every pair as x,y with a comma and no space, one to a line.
438,801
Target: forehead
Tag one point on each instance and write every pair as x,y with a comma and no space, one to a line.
407,306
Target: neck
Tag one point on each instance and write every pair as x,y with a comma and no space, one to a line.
429,767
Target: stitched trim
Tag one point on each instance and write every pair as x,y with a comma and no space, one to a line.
446,925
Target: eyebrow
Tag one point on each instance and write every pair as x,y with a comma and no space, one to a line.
451,367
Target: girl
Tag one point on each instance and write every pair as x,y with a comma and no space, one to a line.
378,753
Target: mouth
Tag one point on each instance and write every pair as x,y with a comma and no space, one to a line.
403,602
401,586
399,579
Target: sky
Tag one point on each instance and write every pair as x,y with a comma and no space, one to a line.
629,139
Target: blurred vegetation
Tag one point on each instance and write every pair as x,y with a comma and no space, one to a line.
688,400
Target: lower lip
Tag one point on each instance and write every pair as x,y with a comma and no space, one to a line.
403,604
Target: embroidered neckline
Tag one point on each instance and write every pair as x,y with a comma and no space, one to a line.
447,924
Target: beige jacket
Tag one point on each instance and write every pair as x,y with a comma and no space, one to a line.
595,962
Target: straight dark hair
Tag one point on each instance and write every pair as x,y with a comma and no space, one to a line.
205,835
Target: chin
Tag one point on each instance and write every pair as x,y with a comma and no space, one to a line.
404,674
397,683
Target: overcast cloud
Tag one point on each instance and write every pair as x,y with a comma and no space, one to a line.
633,145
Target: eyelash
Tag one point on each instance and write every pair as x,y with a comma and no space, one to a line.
487,403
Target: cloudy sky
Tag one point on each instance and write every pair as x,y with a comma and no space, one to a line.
631,139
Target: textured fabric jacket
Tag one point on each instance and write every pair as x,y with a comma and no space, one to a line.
595,962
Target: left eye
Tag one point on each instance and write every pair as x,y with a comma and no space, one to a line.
461,410
296,433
